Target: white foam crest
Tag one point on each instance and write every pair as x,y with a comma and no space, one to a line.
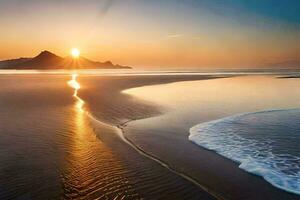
254,156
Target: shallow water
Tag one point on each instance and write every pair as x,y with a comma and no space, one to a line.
264,143
190,103
50,149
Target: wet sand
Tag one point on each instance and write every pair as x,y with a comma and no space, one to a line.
82,158
107,104
106,101
220,176
50,149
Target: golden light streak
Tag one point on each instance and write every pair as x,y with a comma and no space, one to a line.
76,86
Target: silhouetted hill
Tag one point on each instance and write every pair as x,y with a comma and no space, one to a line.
48,60
44,60
13,62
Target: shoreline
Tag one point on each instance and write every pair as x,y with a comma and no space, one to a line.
86,158
121,134
235,157
230,167
121,124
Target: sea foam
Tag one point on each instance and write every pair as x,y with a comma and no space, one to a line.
264,143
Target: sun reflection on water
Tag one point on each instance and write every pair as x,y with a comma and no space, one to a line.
73,83
92,170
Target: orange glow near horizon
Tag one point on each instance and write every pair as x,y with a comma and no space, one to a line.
129,33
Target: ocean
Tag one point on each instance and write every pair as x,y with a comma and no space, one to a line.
51,147
263,143
253,121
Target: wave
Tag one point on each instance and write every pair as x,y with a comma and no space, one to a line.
264,143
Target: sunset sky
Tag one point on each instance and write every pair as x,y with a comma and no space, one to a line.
155,33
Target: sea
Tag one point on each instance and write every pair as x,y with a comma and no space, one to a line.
264,143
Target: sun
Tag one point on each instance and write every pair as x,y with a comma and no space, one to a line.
75,53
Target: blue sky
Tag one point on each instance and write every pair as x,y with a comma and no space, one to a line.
155,32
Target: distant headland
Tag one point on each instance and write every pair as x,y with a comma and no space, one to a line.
47,60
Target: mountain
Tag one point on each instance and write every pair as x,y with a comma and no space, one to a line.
10,63
47,60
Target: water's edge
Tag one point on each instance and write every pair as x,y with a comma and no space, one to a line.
208,136
119,130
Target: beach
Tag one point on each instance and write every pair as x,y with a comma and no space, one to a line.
75,143
149,100
166,136
46,136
